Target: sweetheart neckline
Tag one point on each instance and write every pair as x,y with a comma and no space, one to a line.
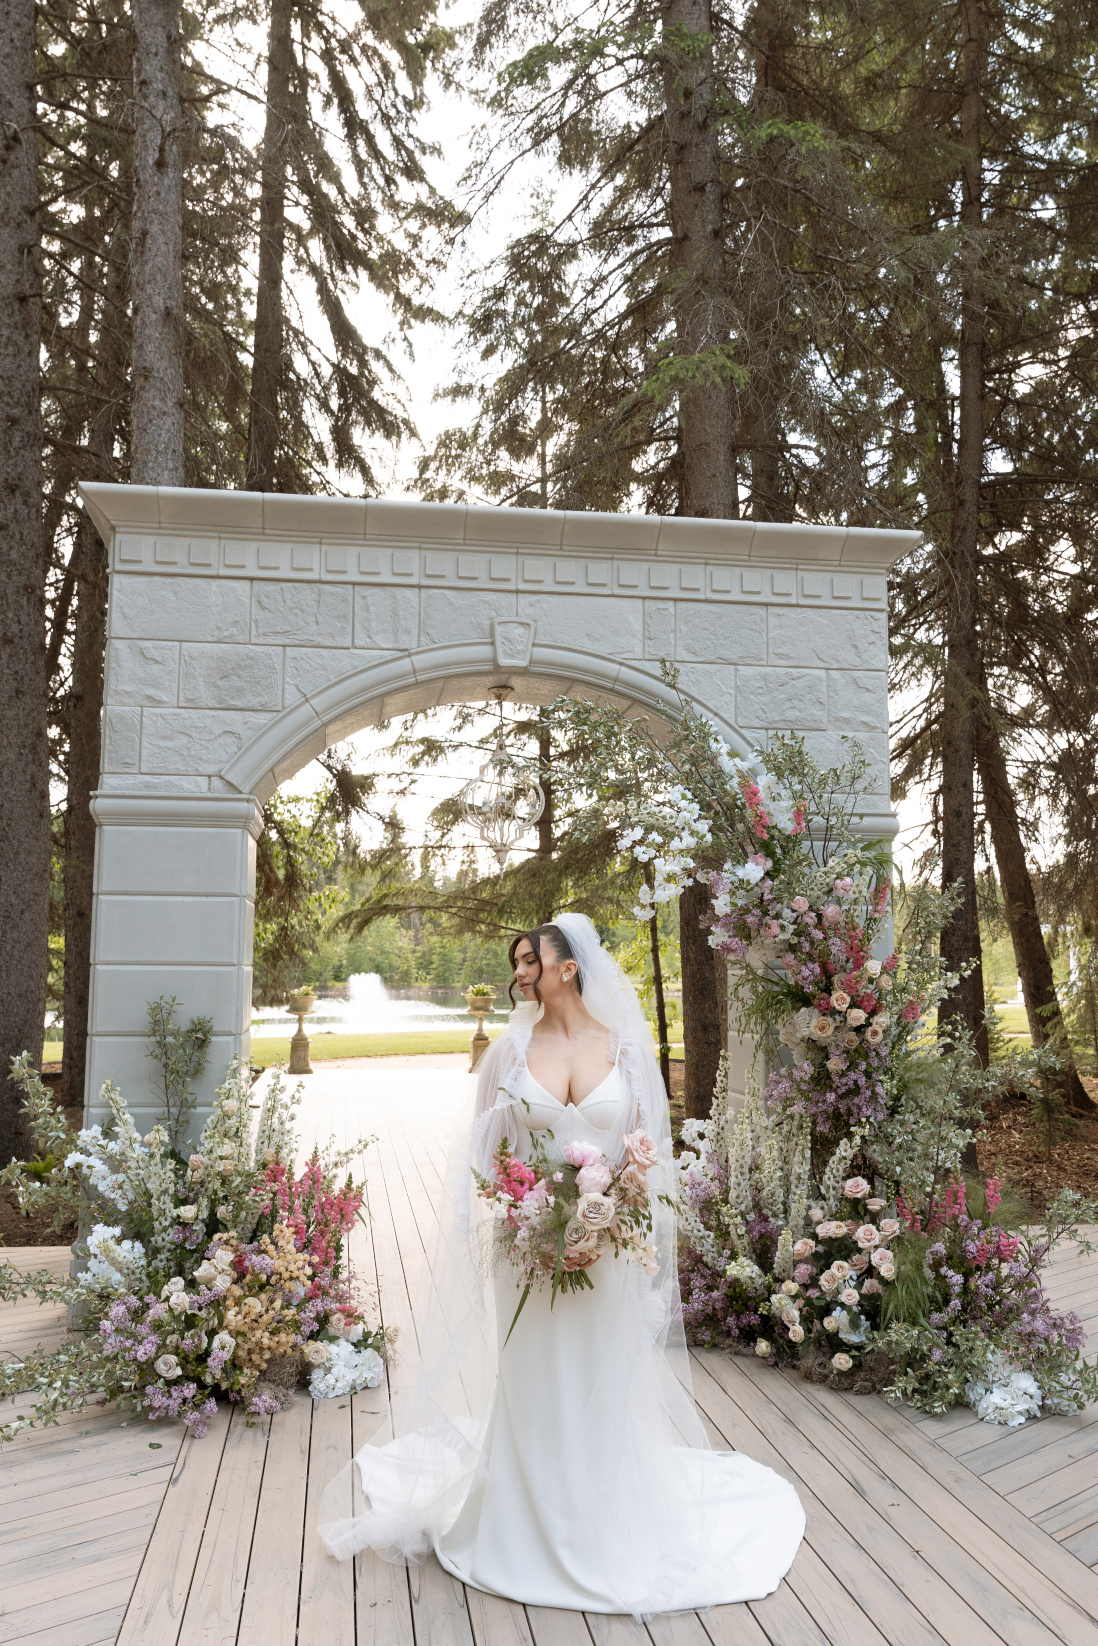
557,1100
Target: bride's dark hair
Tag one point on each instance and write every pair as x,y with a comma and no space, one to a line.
557,942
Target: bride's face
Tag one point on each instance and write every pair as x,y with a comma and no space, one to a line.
552,975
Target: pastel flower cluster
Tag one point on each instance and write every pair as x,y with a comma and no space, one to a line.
555,1217
834,1298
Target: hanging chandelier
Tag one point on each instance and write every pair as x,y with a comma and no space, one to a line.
502,803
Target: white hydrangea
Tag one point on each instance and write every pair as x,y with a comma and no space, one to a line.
346,1370
1003,1394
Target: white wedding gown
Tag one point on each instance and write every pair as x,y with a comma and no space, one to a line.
581,1494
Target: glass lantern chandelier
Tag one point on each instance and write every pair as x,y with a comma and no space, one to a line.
504,801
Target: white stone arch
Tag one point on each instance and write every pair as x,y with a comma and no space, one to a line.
247,632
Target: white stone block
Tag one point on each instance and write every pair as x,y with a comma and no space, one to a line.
121,740
659,629
446,616
142,672
712,686
301,614
135,858
122,994
828,639
194,740
829,749
166,931
182,608
306,671
387,619
124,1059
231,677
587,622
720,633
856,701
784,699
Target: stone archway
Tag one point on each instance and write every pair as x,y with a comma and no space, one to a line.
248,631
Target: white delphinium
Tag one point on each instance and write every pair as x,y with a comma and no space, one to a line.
162,1186
692,1232
275,1135
346,1370
226,1151
798,1172
114,1264
837,1171
1003,1394
770,1178
114,1166
783,1256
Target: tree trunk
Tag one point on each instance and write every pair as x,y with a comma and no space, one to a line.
157,261
701,1014
24,748
1030,951
263,427
84,716
761,303
697,260
961,938
657,985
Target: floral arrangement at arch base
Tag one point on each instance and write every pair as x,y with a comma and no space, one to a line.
824,1224
214,1273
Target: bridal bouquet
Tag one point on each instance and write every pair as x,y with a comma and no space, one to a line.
554,1218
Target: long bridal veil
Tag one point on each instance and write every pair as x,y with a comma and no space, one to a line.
651,1443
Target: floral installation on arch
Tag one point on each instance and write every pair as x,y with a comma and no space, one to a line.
824,1224
215,1272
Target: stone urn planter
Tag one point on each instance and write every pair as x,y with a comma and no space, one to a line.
480,1007
300,1005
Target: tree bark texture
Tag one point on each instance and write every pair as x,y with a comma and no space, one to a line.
961,938
84,719
263,429
84,709
24,750
701,1014
760,291
698,273
657,987
1030,951
157,262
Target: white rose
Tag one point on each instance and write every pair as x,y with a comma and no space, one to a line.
840,1000
829,1282
848,1296
223,1257
200,1341
225,1213
796,1334
762,1348
850,1040
790,1288
167,1366
882,1258
206,1273
186,1214
873,968
835,1064
227,1168
841,1362
178,1303
803,1249
856,1017
867,1236
223,1344
316,1352
885,984
841,1269
830,1323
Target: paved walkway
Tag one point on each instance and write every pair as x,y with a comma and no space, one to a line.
919,1532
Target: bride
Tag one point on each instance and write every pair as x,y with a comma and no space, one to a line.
565,1465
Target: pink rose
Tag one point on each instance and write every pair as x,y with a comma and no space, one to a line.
872,1285
582,1154
816,1214
803,1249
889,1228
867,1237
802,1274
848,1296
860,1263
641,1149
856,1188
882,1259
593,1179
800,904
595,1211
875,1205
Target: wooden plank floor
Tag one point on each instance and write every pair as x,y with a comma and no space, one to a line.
910,1540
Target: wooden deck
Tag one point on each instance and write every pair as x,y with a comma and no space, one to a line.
919,1531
